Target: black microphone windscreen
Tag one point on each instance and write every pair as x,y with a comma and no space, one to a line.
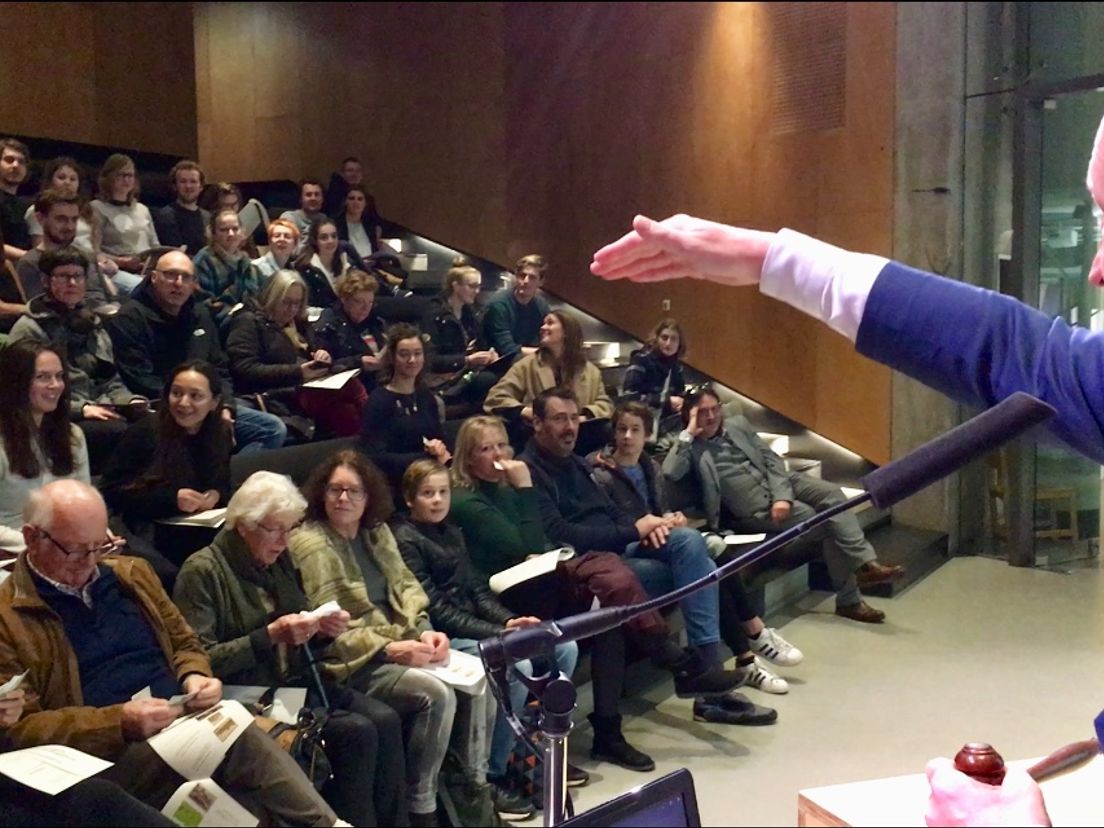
936,459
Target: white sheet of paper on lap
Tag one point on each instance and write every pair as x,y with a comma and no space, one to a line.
334,382
286,704
464,672
14,683
328,608
203,802
213,518
737,540
194,745
528,569
51,768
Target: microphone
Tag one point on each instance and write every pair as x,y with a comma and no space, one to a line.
885,486
937,458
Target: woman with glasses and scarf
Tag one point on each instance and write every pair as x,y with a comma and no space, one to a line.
244,598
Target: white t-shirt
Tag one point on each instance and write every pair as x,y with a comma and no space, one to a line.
359,239
127,229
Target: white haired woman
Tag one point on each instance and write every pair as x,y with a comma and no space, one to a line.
244,598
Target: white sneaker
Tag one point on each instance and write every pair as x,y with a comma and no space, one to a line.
763,679
775,649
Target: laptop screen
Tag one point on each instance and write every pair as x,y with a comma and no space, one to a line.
668,802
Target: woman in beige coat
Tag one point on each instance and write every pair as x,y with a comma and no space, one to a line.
560,361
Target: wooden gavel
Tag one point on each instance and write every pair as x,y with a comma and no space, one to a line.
981,762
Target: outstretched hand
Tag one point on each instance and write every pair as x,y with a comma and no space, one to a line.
682,247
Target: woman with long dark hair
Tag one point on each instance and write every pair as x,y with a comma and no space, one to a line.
38,444
324,259
358,224
174,462
654,376
403,419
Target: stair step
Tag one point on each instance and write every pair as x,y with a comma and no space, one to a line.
919,551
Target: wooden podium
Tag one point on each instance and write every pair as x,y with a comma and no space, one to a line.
1073,798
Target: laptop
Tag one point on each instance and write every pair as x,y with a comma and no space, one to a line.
669,802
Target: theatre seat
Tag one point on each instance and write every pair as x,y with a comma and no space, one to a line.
296,462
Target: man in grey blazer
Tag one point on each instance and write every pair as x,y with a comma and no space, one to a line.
735,469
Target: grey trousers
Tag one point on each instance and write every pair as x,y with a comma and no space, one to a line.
256,771
427,707
850,548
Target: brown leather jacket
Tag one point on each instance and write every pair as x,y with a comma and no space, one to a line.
33,639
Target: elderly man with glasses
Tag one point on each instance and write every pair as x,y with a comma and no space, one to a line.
91,630
162,326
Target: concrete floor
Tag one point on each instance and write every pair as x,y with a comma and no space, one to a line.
979,651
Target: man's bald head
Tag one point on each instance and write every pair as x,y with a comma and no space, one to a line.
65,529
173,281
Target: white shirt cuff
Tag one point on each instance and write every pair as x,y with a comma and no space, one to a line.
822,280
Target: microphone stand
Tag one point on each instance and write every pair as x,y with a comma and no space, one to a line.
556,692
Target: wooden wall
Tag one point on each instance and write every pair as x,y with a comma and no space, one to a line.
114,74
413,89
662,108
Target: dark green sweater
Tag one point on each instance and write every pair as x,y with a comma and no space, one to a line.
501,525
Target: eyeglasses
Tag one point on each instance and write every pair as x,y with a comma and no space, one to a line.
354,493
176,276
106,548
69,277
278,531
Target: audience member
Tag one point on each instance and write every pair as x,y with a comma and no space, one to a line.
283,238
350,330
358,225
227,196
347,553
560,362
173,462
64,175
57,216
12,302
351,174
744,485
38,444
60,315
403,419
184,222
162,326
456,340
127,230
310,208
654,376
92,631
244,598
496,507
273,351
462,606
226,276
576,512
14,160
513,316
323,260
633,482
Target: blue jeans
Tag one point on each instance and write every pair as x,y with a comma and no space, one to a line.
126,281
255,430
686,557
503,738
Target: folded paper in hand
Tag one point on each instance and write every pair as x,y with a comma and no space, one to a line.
213,518
534,567
335,381
464,672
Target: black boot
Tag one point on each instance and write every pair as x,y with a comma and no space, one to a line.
692,678
610,745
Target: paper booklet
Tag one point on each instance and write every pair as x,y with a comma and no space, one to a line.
464,672
334,382
51,768
213,518
203,802
194,745
528,569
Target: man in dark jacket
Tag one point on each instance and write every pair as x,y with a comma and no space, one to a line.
161,326
576,512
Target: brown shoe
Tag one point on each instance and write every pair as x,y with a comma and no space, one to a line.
872,572
861,611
